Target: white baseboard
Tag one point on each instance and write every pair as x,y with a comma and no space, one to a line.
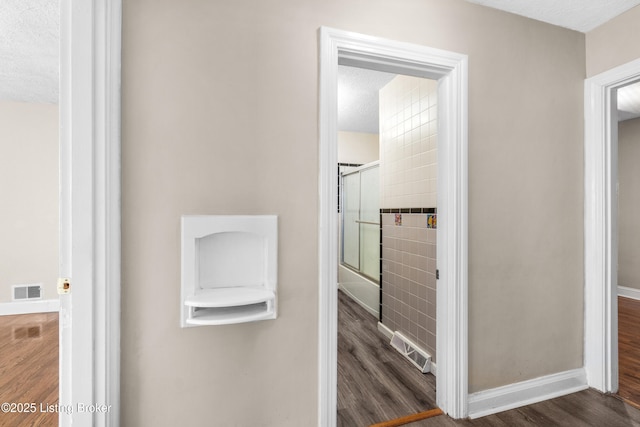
389,334
29,307
384,330
524,393
623,291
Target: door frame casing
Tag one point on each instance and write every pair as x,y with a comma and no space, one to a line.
600,225
90,58
451,70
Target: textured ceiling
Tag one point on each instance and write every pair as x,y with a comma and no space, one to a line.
358,98
30,30
579,15
29,59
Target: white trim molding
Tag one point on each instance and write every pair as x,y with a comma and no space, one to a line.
90,57
29,307
385,331
524,393
600,227
450,69
626,292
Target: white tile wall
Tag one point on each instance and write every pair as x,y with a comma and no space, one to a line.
408,143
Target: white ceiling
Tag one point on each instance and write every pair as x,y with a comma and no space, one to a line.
579,15
29,59
30,32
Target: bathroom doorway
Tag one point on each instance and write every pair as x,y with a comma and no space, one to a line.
602,225
628,236
387,162
450,71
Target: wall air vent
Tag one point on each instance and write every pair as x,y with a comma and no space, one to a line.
27,292
416,355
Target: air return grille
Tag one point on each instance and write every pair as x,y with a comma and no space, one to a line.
417,356
27,292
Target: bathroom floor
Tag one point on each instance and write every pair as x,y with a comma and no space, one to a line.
29,369
375,383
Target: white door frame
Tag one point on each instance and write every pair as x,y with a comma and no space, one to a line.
600,225
451,70
90,210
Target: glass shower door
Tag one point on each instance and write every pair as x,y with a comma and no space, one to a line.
370,223
361,227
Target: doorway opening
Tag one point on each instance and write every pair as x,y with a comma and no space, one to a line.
627,237
450,70
387,162
602,225
29,170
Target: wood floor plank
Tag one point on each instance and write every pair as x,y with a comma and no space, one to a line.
375,383
629,349
29,367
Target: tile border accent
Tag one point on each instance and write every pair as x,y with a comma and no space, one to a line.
410,210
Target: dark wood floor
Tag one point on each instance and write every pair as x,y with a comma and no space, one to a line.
370,373
375,382
629,350
29,367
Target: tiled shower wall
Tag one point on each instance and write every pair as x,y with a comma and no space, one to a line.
408,277
408,143
408,173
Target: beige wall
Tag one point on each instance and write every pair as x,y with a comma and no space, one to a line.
29,190
358,147
629,203
220,115
613,43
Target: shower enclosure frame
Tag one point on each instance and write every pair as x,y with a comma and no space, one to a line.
361,282
361,223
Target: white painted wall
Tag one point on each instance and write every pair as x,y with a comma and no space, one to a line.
358,147
29,195
629,204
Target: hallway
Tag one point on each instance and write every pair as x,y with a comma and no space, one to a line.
376,384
